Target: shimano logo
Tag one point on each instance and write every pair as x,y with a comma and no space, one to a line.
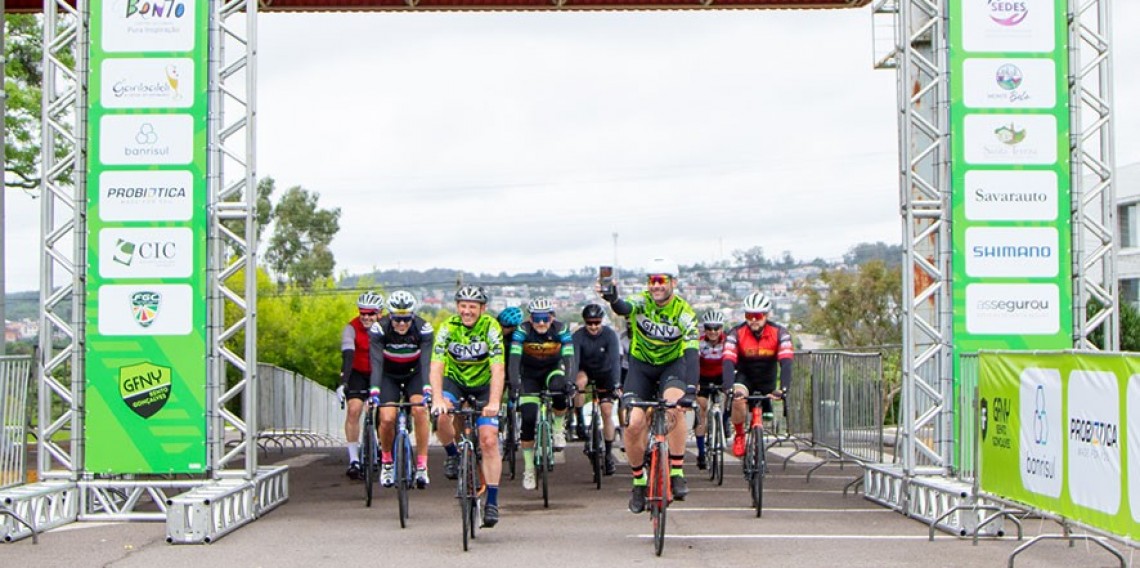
1094,432
1010,306
1007,251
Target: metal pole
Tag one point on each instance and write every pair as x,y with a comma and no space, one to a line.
4,189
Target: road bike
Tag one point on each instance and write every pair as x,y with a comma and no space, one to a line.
659,491
595,448
543,439
404,456
369,448
715,438
471,489
509,433
755,462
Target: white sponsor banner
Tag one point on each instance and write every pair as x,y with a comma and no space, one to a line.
1042,431
1094,440
1014,195
1011,26
1009,83
145,309
147,83
1012,252
145,26
146,252
146,195
1012,139
145,139
1132,420
1001,309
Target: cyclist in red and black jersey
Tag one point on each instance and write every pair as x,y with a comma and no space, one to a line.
356,374
754,353
711,352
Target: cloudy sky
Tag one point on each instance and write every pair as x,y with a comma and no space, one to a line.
517,141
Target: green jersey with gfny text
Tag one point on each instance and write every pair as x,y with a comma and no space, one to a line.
661,334
468,352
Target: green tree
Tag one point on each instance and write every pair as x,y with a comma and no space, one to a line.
856,309
299,249
1129,326
23,76
753,257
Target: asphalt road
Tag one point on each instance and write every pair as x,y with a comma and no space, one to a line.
325,523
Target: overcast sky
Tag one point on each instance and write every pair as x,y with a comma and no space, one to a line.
521,141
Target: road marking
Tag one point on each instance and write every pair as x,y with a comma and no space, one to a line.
766,490
795,537
777,510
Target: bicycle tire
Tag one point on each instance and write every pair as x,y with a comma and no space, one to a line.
476,499
511,441
597,455
712,435
369,458
403,474
466,502
756,459
541,456
660,504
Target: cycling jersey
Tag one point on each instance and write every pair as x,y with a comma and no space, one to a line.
599,355
469,352
537,354
712,358
400,355
355,338
661,334
756,355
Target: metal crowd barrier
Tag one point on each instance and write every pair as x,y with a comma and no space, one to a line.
965,438
296,411
15,371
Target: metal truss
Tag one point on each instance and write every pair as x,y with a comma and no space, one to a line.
924,124
63,257
233,239
1093,175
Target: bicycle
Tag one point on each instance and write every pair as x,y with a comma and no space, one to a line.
659,487
510,434
470,490
369,447
403,456
595,448
543,440
715,438
755,462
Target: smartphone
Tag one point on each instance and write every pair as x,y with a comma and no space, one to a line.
606,279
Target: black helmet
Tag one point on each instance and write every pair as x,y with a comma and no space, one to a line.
593,311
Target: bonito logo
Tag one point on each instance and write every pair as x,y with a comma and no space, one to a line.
1008,13
164,9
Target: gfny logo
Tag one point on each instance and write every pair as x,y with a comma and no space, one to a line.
145,306
126,251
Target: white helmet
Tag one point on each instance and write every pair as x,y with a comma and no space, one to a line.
712,317
540,305
369,301
662,266
401,303
757,303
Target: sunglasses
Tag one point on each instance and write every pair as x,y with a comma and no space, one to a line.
755,317
593,323
369,313
401,319
659,278
713,327
541,318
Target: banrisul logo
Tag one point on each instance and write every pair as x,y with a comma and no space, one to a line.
1008,77
144,307
145,387
1008,12
1010,135
161,9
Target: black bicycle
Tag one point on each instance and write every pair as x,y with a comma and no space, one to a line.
404,457
509,434
595,447
755,462
715,438
659,491
369,447
471,489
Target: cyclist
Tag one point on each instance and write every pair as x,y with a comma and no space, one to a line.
355,374
542,352
662,363
712,371
752,352
509,320
467,360
401,356
598,350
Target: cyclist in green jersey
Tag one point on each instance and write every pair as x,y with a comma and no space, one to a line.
663,363
467,361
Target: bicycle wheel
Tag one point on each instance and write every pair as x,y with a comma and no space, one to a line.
403,474
597,446
510,441
541,455
369,459
477,495
712,434
757,482
660,495
466,494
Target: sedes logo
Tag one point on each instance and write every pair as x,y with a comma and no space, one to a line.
144,307
1008,13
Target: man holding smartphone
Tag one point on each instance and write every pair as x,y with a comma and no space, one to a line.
663,363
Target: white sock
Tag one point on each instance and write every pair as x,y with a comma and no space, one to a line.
353,452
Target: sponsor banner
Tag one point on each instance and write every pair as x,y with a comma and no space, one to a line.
145,337
1011,139
1052,429
1009,83
166,82
1012,26
154,309
1021,309
146,195
1011,251
1011,195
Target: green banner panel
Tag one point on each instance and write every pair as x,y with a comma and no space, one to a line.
146,238
1010,198
1059,432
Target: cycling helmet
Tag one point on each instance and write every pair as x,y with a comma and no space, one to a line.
401,303
369,301
662,266
471,293
757,303
540,305
712,317
593,311
510,317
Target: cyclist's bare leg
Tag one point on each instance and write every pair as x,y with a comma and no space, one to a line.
679,432
580,398
492,461
607,410
445,428
701,428
387,428
421,425
739,405
635,437
352,420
